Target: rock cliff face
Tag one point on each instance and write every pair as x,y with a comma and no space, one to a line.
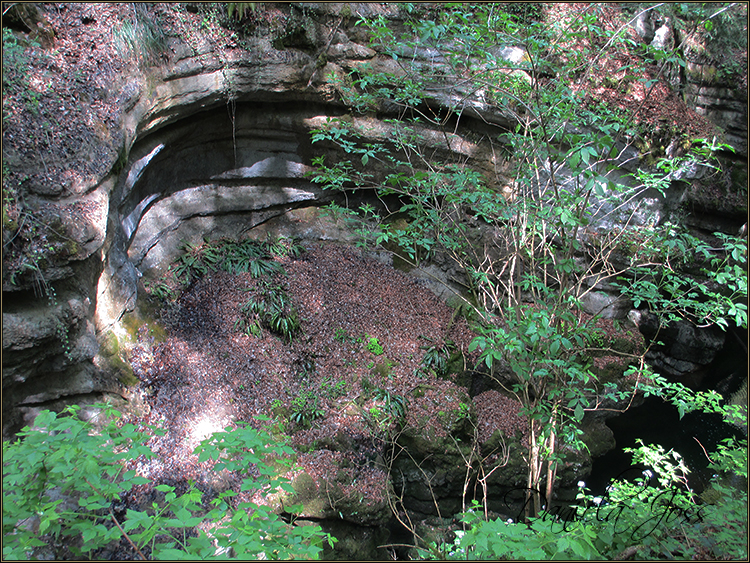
211,140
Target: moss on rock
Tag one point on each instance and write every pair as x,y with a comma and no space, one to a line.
113,354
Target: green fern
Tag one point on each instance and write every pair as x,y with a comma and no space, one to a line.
305,408
394,406
284,246
271,307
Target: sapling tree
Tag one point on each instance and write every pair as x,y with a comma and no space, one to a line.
556,217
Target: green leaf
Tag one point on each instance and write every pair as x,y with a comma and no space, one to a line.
579,412
580,549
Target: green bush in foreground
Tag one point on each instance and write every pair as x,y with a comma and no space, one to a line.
63,477
634,519
656,516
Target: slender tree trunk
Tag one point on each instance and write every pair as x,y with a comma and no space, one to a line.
533,504
551,465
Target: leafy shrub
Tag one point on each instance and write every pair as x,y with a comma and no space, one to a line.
61,478
653,517
672,296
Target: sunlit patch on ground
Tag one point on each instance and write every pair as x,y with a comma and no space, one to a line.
204,426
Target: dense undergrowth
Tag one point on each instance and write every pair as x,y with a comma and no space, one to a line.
63,481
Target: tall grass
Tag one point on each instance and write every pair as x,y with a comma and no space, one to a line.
140,36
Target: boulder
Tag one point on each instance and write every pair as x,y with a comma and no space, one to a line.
684,347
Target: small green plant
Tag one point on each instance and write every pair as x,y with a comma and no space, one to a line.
383,370
394,405
282,246
390,409
190,264
140,36
248,321
343,336
247,256
16,71
62,333
332,389
597,338
464,410
435,359
283,323
161,290
305,408
271,307
373,345
305,366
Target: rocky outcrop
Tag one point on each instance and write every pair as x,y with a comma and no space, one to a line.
213,142
210,142
721,102
683,347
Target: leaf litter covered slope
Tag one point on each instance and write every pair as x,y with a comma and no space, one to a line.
207,374
616,77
